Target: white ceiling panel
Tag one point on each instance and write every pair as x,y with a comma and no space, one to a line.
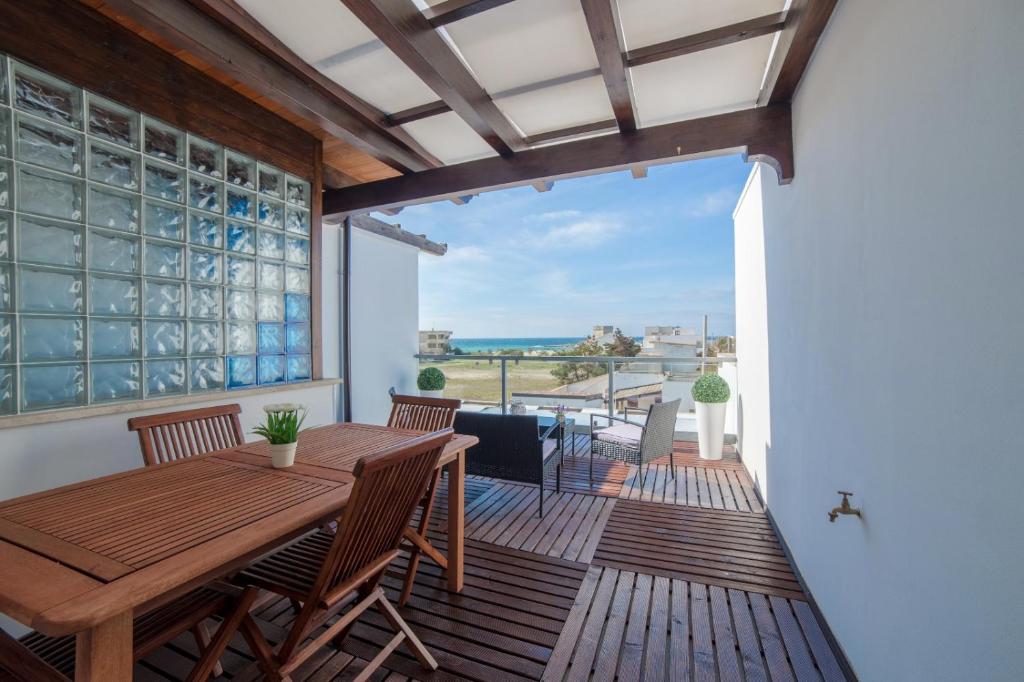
702,83
379,77
570,104
648,22
524,42
449,138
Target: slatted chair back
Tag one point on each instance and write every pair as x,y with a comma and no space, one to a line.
659,430
422,414
177,435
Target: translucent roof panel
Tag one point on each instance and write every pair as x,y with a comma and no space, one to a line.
701,83
523,42
648,22
326,35
449,138
562,106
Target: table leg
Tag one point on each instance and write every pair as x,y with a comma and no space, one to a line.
456,520
104,653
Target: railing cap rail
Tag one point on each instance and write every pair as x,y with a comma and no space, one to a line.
579,358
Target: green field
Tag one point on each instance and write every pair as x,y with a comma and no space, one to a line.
480,380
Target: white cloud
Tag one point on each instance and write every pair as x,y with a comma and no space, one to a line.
582,234
556,215
714,203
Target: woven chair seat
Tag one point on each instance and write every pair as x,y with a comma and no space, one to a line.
627,435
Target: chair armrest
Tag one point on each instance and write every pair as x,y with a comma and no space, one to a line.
610,418
544,436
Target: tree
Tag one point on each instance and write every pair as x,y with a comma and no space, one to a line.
622,345
571,372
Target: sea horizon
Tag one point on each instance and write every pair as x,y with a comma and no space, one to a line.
523,343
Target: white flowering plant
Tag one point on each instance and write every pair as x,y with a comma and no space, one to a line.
283,423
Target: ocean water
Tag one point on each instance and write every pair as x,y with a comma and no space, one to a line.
492,346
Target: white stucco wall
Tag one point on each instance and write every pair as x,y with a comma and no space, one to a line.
892,277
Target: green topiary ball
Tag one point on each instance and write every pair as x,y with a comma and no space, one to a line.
710,388
430,379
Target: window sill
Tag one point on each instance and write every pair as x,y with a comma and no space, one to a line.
71,413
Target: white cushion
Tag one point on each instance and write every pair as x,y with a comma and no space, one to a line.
621,434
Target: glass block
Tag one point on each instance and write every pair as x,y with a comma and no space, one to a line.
50,291
241,337
204,266
272,369
113,165
241,204
44,387
204,338
164,299
6,147
48,97
271,213
298,338
49,145
241,371
296,307
6,233
114,295
164,220
113,252
46,339
114,338
299,368
205,229
241,170
49,194
240,304
6,339
296,279
297,220
298,192
241,237
271,337
164,260
7,383
6,178
205,157
205,194
296,250
206,374
270,306
165,377
113,209
112,122
271,182
165,337
164,142
115,381
204,302
270,244
271,276
50,242
164,182
6,286
241,271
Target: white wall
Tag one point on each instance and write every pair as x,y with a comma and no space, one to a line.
893,283
385,323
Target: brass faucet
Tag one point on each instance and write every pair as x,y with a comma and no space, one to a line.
843,508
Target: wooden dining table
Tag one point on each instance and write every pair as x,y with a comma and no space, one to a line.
85,557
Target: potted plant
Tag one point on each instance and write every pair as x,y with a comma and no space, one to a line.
710,393
431,382
281,429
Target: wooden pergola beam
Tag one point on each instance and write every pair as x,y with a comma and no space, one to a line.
407,33
805,24
450,11
564,134
716,37
606,34
379,227
229,40
763,134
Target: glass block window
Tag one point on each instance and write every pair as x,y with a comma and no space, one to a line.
138,260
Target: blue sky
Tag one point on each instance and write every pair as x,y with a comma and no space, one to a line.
605,249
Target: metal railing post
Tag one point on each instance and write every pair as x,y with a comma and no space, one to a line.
611,388
504,386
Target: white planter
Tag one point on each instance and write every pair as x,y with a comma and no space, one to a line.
711,429
283,454
432,394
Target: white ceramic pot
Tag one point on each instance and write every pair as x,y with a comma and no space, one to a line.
283,454
711,429
432,394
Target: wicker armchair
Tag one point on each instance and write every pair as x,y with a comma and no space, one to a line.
635,444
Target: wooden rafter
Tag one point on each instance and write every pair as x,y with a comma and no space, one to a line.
454,10
379,227
716,37
407,33
807,19
572,132
229,40
763,134
606,34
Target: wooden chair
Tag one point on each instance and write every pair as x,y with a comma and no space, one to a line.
422,414
176,435
328,571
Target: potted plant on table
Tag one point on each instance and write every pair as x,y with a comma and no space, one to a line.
710,393
281,429
431,382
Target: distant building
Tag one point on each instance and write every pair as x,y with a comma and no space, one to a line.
671,342
435,342
603,333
